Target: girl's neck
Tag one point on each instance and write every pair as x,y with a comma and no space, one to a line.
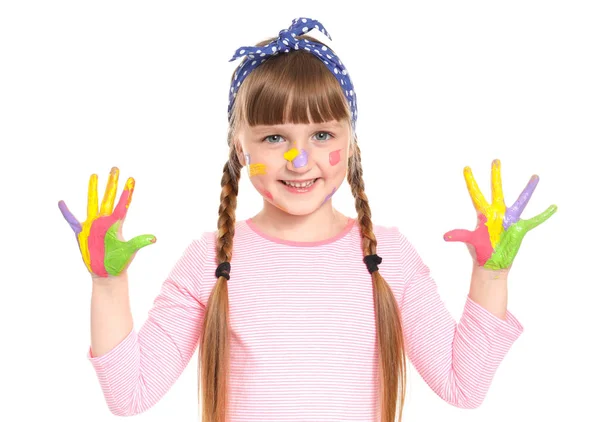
323,224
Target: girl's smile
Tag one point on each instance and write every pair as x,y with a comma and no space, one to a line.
300,186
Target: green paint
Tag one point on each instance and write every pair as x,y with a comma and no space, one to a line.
510,240
118,254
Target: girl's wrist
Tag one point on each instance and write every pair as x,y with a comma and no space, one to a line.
485,274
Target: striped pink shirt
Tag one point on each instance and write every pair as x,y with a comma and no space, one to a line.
303,330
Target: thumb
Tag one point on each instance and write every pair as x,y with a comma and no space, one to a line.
118,254
138,242
459,235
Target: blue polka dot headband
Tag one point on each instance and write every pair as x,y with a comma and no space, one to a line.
286,41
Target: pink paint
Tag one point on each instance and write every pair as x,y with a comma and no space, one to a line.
334,157
479,239
98,232
96,244
265,192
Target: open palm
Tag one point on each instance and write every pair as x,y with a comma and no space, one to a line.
500,230
102,247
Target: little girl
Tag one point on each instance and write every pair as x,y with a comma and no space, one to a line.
300,313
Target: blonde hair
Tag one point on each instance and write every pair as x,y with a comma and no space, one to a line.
292,87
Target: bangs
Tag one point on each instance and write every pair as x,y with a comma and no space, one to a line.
293,87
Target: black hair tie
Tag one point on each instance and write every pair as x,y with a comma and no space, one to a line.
223,270
372,261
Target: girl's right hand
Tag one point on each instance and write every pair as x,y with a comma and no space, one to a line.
101,243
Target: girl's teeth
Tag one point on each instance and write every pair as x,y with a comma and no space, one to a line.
300,185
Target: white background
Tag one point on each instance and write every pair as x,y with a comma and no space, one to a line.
143,86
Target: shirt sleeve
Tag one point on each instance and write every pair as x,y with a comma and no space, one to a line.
458,361
139,371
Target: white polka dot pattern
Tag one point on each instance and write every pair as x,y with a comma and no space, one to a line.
283,44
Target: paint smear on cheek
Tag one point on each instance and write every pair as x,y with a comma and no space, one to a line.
257,169
328,197
265,192
268,195
334,157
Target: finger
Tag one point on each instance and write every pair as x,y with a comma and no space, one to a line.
140,241
124,200
459,235
118,253
497,194
106,208
75,225
476,196
540,218
92,205
514,212
116,262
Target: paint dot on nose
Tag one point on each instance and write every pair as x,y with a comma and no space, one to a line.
301,160
291,154
334,157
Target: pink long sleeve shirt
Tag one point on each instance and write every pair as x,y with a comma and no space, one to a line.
303,330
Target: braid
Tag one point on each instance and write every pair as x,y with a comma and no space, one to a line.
229,192
363,210
214,342
392,368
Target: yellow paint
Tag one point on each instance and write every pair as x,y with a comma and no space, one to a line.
92,214
493,212
291,154
129,185
497,194
256,169
108,202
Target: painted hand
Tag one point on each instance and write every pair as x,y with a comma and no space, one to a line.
500,230
102,247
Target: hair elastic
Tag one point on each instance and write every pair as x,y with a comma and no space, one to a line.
372,261
223,270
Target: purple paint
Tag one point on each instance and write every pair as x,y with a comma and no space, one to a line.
513,214
301,160
247,157
75,225
328,197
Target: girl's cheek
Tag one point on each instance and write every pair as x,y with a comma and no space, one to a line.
255,170
254,167
264,192
335,157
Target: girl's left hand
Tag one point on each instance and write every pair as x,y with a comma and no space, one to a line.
500,231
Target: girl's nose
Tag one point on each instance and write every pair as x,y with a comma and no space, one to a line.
297,160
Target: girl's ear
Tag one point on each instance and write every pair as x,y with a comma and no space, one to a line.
352,149
240,152
353,141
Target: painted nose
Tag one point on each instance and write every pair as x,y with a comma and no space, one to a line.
297,160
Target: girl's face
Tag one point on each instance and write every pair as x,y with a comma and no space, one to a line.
296,167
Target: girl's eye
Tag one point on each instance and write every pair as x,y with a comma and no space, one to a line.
321,139
269,139
275,139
